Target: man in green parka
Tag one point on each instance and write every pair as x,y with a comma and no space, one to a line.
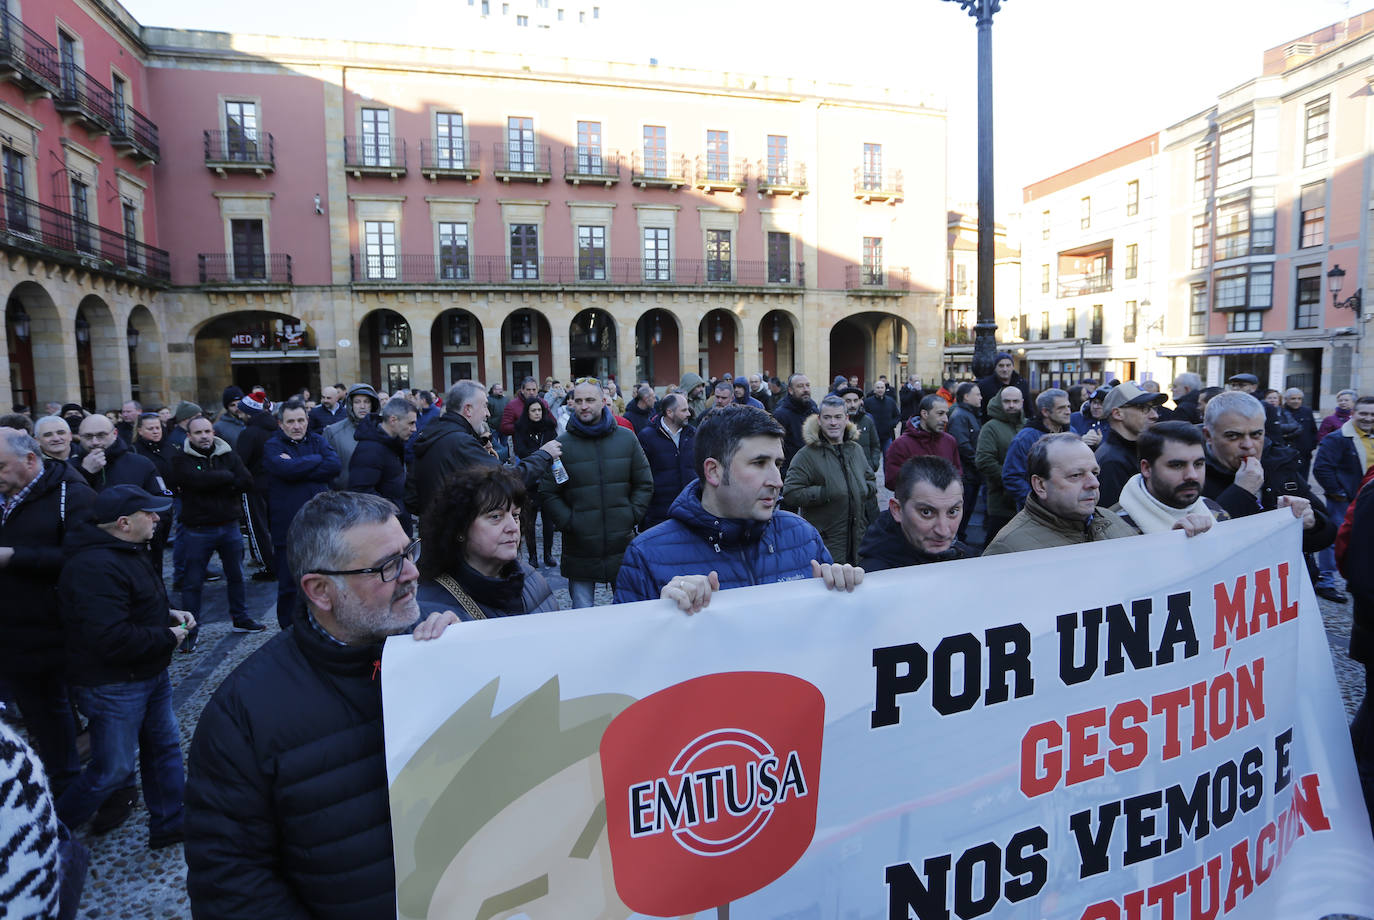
1004,421
830,481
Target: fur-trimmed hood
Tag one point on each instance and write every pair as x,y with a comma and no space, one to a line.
811,431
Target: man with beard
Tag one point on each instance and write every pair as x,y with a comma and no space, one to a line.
1168,488
1004,375
287,805
925,436
259,425
868,435
994,440
329,411
792,412
921,523
231,421
128,421
1130,411
1051,415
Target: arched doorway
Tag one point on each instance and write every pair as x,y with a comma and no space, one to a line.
36,347
778,344
101,355
657,348
387,350
255,348
526,348
716,338
870,345
145,349
592,344
457,344
19,345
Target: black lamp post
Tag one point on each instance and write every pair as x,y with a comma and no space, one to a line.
985,330
1335,280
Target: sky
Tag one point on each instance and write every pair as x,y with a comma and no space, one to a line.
1072,78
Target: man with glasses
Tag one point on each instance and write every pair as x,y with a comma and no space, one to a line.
287,806
1130,411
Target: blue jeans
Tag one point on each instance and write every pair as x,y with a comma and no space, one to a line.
129,721
1326,559
200,542
583,593
178,546
42,700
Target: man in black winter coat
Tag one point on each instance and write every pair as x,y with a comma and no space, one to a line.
287,807
1129,412
641,408
965,427
1004,375
792,411
886,414
150,444
668,444
38,506
378,465
259,425
106,461
120,635
921,524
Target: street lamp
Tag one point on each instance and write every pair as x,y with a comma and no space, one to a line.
132,335
19,321
83,330
985,331
1335,279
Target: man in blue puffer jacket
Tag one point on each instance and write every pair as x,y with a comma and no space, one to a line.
725,530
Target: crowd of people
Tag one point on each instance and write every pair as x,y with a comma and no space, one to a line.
673,493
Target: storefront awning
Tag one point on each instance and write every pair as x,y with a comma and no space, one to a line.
1180,351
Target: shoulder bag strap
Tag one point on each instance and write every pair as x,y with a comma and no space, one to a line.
450,584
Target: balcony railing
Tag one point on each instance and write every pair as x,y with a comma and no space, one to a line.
581,164
781,179
877,280
259,268
961,335
85,98
236,151
44,231
134,133
451,160
375,156
27,57
1076,285
877,184
571,270
667,170
713,174
521,163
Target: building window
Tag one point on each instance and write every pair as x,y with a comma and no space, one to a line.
16,210
379,249
119,99
718,155
520,144
131,251
873,260
1202,173
779,257
1045,325
1070,323
1262,221
453,252
1317,118
1095,331
524,252
658,265
589,148
1197,317
1233,227
1245,321
250,249
1045,279
505,9
717,255
241,131
66,56
1085,212
777,159
1132,198
873,166
1312,216
1202,240
591,253
448,140
376,137
1244,287
486,7
81,213
1234,146
655,151
1130,320
522,20
1044,225
961,279
560,14
1309,298
1132,260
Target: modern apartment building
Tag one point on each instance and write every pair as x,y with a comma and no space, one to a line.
347,211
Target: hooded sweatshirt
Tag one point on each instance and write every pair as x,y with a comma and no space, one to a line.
698,404
343,434
993,441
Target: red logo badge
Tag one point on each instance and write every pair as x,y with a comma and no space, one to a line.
711,789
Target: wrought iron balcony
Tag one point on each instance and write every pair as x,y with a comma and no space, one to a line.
134,134
877,185
450,160
43,231
713,174
521,163
667,170
869,279
26,58
781,179
237,152
375,156
85,99
408,269
256,269
581,164
1077,285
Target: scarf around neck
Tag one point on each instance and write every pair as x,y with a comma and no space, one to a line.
1149,513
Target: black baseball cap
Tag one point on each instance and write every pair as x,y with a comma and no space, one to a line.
116,502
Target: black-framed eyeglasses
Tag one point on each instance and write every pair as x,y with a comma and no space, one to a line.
389,568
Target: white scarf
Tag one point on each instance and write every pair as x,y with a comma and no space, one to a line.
1149,513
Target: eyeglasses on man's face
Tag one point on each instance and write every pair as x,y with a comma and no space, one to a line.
389,568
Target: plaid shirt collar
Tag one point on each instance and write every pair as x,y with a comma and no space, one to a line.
13,502
320,630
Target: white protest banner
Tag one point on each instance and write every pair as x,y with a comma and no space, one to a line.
1143,728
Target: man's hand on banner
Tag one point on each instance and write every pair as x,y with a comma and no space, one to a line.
1302,509
1194,524
691,593
433,626
838,577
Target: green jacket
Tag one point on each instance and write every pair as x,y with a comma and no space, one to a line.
993,442
868,438
607,493
834,488
700,404
1034,527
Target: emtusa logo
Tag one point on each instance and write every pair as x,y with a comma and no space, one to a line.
711,789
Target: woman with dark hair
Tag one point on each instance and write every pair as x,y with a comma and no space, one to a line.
533,429
471,558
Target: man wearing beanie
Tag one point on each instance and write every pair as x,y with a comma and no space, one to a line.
230,423
1003,375
259,425
361,402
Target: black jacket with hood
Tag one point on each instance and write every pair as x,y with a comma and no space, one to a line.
211,485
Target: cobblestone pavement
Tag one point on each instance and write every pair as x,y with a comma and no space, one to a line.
127,880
